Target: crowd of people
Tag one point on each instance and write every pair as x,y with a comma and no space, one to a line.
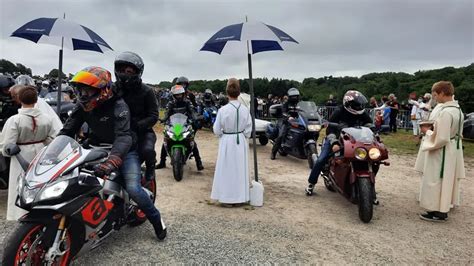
132,110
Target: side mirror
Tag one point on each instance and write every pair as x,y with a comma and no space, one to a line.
12,149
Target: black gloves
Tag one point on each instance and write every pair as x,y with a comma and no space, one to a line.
107,167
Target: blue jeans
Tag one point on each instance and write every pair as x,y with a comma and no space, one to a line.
131,172
322,160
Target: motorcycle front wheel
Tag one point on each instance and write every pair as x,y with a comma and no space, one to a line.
366,198
178,164
26,246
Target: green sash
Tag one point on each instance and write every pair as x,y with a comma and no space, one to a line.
237,124
457,137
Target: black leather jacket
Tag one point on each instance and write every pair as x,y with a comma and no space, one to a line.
342,116
143,106
108,123
183,107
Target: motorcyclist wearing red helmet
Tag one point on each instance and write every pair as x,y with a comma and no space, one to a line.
108,117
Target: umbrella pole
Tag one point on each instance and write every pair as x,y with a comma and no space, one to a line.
60,71
252,112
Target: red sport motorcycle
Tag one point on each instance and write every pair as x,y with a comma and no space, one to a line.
71,211
352,169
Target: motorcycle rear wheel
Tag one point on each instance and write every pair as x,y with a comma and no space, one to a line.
366,198
25,245
178,164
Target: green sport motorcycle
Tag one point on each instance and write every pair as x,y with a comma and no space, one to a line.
179,142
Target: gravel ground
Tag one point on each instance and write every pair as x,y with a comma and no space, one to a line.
291,227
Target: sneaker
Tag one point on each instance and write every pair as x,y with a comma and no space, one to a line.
161,165
309,189
160,230
434,217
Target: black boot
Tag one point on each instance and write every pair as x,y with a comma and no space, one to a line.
150,173
161,165
199,165
160,229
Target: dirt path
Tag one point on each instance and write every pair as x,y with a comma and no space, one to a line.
291,227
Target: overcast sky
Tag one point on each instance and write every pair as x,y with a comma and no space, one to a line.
336,37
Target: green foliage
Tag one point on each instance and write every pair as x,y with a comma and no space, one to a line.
9,67
54,74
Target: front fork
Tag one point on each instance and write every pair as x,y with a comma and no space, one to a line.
54,251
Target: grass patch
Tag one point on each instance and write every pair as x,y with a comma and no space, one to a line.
405,143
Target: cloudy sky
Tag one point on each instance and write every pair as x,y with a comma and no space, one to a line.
337,37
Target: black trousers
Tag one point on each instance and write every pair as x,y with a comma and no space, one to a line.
393,123
146,148
196,154
283,128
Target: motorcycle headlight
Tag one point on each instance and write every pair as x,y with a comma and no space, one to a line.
28,195
170,133
360,153
54,190
20,183
314,128
214,112
185,134
374,153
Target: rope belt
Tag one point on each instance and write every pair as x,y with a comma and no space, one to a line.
30,143
233,133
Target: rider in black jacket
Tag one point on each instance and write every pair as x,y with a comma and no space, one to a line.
143,106
180,105
289,110
352,113
108,118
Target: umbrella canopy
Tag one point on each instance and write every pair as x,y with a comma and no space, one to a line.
58,31
258,37
261,37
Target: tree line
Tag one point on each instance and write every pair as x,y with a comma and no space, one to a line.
318,89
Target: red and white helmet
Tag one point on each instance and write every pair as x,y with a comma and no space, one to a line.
354,102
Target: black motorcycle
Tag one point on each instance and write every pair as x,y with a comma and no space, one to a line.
71,211
300,142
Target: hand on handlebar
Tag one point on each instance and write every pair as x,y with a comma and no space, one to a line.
336,148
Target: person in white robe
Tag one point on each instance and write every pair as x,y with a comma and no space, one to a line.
233,126
31,130
42,105
441,160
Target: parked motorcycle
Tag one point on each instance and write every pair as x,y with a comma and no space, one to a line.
300,142
179,142
209,116
71,211
352,170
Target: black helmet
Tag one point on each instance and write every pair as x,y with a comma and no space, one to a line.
6,82
184,81
128,59
293,95
354,102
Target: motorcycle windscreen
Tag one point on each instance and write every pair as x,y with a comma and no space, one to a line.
56,158
310,110
362,134
178,118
